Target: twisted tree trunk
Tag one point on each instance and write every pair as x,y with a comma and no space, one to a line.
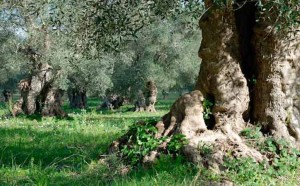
276,100
77,98
150,96
252,74
38,94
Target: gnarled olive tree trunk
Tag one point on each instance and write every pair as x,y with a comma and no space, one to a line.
146,99
7,94
150,96
77,98
277,91
251,73
38,94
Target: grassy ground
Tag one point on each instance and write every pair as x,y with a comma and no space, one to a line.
51,151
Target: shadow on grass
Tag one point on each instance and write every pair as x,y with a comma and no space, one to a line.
29,156
20,146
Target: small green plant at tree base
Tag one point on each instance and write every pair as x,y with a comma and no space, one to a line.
252,133
141,141
205,149
282,160
207,106
177,143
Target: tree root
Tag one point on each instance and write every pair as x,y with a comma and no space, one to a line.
186,117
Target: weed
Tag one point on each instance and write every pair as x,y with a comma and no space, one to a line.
141,141
283,161
207,105
252,133
205,149
176,144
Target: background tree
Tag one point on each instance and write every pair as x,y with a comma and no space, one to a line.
157,55
83,46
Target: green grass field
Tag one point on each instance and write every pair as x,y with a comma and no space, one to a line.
51,151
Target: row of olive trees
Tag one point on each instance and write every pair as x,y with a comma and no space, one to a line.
86,57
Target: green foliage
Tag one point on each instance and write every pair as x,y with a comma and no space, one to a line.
100,45
12,66
282,14
205,149
246,168
252,133
283,160
163,52
141,141
207,106
176,144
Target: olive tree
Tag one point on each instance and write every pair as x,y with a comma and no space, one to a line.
164,52
250,55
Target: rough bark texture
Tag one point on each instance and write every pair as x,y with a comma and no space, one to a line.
221,77
276,103
150,96
38,94
52,103
77,98
220,74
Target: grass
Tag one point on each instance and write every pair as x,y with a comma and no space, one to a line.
51,151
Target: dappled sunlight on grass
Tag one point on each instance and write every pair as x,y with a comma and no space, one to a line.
58,151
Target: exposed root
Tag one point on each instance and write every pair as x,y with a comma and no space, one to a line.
186,118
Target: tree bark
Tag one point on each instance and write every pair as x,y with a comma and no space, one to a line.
52,103
150,96
140,103
77,98
38,94
276,103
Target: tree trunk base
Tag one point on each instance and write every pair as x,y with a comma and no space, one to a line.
39,95
186,117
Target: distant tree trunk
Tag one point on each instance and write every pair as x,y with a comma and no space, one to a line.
112,101
52,102
39,93
140,103
165,94
252,74
150,96
36,94
7,95
77,98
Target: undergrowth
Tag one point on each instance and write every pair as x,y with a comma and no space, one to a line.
141,141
